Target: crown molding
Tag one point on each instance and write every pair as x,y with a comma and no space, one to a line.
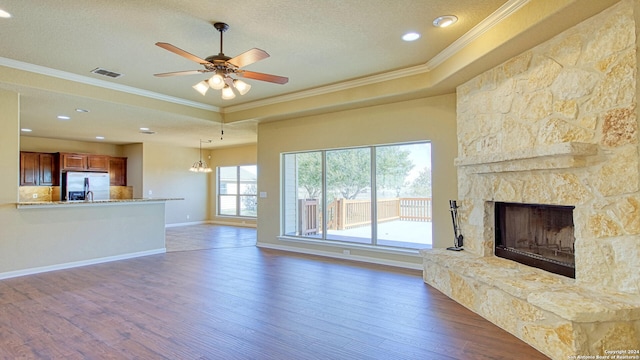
19,65
485,25
345,85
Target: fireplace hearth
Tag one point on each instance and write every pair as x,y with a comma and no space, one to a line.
536,235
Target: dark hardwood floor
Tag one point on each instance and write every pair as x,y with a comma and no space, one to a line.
241,303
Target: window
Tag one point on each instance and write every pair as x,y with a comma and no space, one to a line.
334,195
237,191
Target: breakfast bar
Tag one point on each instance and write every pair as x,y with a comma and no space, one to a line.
52,204
65,234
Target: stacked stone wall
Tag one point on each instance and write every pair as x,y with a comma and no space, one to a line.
558,125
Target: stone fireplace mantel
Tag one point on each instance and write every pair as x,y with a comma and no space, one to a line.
554,156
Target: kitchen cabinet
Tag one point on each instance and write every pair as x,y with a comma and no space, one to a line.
73,162
48,169
84,162
38,169
97,163
118,171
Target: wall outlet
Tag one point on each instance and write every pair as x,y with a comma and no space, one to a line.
150,192
346,252
188,217
35,196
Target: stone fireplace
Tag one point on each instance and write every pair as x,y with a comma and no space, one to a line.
556,125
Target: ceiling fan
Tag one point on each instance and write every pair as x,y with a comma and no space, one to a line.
223,67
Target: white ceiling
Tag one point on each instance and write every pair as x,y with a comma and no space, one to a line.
315,43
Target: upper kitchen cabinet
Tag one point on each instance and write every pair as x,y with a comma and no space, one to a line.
118,171
97,163
73,162
84,162
38,169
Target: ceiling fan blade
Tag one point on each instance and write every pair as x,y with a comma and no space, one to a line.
181,52
176,73
263,77
248,57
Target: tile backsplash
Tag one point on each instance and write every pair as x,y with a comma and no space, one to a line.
52,193
39,193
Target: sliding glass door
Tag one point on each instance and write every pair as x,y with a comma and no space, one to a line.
348,203
375,195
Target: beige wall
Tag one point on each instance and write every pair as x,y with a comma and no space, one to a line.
38,144
432,119
42,238
166,175
235,156
133,153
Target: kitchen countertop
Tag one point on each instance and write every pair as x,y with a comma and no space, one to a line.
48,204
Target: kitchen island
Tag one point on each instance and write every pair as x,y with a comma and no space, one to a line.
53,235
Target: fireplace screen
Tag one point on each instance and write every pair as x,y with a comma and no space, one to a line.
536,235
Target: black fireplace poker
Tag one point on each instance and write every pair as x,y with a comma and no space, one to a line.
457,242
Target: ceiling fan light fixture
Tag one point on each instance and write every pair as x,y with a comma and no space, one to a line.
216,82
445,20
241,86
201,87
227,93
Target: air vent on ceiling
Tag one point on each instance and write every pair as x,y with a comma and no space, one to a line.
105,72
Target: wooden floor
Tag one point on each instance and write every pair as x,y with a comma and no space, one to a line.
241,303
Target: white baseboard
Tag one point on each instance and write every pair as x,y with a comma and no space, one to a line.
231,223
185,224
330,254
213,222
37,270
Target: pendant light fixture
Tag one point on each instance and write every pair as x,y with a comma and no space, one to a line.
201,166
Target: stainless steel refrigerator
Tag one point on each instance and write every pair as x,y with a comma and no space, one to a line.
85,186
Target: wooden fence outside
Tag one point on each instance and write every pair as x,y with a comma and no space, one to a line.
346,214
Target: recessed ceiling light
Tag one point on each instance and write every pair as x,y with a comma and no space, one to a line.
64,117
26,130
144,129
82,110
410,36
4,14
100,137
444,21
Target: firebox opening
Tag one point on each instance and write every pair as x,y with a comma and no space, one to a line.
536,235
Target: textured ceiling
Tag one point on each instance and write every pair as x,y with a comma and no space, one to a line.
313,42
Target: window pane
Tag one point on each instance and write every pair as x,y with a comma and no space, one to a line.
349,195
227,204
248,205
228,180
248,180
303,194
403,191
